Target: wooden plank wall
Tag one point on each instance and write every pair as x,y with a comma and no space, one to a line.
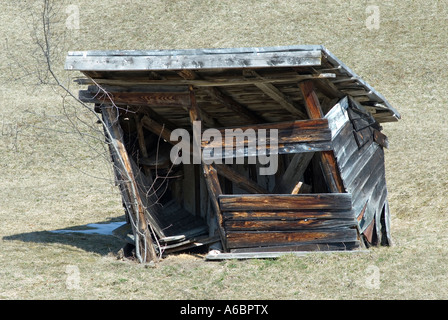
360,158
275,222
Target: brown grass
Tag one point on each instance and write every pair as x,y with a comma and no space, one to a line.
47,170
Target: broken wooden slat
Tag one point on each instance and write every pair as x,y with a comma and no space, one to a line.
337,117
380,138
385,223
293,172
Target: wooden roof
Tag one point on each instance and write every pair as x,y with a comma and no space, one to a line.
233,87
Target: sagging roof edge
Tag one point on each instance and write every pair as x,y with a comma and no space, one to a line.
333,59
314,60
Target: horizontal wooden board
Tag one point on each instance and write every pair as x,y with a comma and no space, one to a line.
190,61
313,124
284,225
304,247
279,252
241,239
287,215
136,98
282,148
286,132
284,136
275,202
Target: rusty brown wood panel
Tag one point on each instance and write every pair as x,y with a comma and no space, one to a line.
284,225
288,215
320,201
241,239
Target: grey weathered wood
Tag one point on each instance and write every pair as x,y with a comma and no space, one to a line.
131,192
272,255
282,149
338,117
218,81
208,61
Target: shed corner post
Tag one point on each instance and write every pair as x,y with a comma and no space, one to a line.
209,171
136,211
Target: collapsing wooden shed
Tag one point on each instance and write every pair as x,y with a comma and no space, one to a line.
328,190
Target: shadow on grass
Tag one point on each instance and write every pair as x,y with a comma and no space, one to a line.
90,237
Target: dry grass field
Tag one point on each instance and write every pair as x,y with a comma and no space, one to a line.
54,178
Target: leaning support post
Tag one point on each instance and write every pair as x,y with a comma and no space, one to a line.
328,160
145,250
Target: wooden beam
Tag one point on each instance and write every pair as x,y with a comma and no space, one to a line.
135,207
157,129
311,101
171,60
294,172
202,83
328,160
239,179
210,173
276,94
287,132
235,106
166,99
224,99
142,145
